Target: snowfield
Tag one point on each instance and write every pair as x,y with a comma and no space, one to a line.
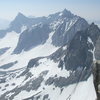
23,58
47,68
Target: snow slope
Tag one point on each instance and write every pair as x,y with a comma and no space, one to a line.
11,41
46,69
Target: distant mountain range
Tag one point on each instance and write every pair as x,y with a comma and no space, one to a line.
4,23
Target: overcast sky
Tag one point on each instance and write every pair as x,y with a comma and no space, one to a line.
89,9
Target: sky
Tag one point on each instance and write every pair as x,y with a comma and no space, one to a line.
88,9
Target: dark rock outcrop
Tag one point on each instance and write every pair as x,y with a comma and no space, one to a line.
32,38
6,66
3,50
96,73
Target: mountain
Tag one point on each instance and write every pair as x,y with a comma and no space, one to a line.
52,59
63,25
20,23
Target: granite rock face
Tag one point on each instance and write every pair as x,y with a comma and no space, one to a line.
96,73
62,36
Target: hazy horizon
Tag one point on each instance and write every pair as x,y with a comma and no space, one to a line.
88,9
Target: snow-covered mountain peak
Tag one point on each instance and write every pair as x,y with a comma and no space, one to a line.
20,17
51,57
66,13
61,15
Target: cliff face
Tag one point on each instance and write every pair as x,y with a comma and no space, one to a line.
94,34
96,72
